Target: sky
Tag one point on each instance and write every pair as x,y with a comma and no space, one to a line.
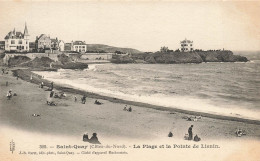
145,26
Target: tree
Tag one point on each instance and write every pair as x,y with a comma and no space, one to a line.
164,49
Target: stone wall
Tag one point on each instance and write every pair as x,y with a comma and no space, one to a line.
30,55
97,56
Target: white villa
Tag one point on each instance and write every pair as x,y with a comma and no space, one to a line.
186,45
17,41
79,46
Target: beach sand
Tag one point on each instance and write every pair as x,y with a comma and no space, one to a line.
109,120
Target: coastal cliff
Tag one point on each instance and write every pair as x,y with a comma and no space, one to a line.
63,62
180,57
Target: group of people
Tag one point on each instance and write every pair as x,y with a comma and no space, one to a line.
128,109
188,136
239,132
4,71
196,118
92,140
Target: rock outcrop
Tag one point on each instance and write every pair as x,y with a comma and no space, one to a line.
38,63
180,57
17,60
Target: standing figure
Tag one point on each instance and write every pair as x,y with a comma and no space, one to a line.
52,93
42,85
51,85
84,99
75,99
190,133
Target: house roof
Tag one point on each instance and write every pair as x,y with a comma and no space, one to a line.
54,40
79,43
26,30
15,35
41,36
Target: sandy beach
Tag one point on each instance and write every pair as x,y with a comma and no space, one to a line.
108,119
69,120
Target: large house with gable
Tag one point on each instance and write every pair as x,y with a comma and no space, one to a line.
16,41
43,42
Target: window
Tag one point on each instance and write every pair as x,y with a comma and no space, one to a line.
20,41
22,47
83,47
26,42
12,41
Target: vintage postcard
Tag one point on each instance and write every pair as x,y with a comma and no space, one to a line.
129,80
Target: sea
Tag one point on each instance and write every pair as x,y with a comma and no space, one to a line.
230,89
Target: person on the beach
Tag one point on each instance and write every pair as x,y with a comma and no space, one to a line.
130,109
9,94
125,108
6,84
56,95
75,99
97,102
63,95
85,137
196,138
170,134
42,85
94,139
51,103
52,93
84,99
31,77
3,70
17,77
190,133
51,85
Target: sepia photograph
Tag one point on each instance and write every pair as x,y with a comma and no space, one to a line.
129,80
